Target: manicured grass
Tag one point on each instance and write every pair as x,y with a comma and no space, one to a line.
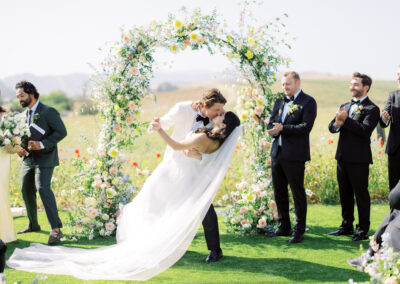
318,259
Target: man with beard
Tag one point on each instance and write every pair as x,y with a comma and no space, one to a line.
40,159
355,121
391,115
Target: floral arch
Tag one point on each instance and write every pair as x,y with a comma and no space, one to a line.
123,82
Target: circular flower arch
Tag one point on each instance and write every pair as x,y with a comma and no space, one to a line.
123,82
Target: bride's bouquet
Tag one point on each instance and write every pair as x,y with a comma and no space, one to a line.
14,132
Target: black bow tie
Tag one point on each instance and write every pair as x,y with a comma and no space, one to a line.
286,99
205,120
353,102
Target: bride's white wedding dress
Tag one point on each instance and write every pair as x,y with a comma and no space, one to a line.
7,233
154,230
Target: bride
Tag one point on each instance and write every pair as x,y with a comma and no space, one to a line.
7,233
157,227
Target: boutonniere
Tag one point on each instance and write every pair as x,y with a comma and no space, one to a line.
36,117
358,109
293,108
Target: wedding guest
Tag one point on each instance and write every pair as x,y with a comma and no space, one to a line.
290,124
3,249
355,121
40,159
389,225
391,115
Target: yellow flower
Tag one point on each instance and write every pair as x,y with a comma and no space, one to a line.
251,40
178,24
249,54
174,48
243,116
259,102
228,38
99,164
251,31
113,152
110,192
236,55
193,36
116,108
229,56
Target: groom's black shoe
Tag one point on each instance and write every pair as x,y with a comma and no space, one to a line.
296,238
214,256
278,233
3,249
55,237
342,231
29,230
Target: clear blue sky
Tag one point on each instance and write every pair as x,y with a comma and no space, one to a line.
48,37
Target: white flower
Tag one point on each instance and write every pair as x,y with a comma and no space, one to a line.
105,217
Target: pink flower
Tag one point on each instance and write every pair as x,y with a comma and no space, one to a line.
97,184
262,223
110,226
113,170
78,224
276,216
129,120
243,210
243,222
271,205
259,110
132,105
133,71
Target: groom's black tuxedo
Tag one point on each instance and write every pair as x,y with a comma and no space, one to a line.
288,159
393,144
353,157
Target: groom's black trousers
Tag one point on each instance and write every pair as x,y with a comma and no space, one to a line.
3,249
291,173
211,231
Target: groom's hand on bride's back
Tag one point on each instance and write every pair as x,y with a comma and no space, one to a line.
22,152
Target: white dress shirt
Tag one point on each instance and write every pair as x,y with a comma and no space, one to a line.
285,111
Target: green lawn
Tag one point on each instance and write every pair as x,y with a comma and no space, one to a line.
318,259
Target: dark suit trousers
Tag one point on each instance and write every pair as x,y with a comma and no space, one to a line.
39,179
291,173
394,168
211,231
353,181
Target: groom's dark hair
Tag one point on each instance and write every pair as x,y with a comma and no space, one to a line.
28,88
365,79
211,97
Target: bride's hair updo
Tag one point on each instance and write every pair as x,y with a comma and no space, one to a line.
231,121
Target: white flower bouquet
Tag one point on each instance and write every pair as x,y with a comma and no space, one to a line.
14,132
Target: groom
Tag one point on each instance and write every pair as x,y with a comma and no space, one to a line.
189,116
40,159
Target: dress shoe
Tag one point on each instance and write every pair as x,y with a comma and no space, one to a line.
29,230
214,256
359,237
342,232
55,237
296,238
278,233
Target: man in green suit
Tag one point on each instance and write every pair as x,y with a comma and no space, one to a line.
40,159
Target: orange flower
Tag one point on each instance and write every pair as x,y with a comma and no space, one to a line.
379,152
158,155
61,149
85,159
140,48
382,142
238,147
77,151
330,141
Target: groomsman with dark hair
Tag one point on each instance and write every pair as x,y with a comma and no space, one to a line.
290,124
355,120
391,115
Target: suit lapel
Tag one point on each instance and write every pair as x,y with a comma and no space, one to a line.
297,100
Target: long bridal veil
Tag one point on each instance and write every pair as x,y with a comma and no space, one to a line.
154,230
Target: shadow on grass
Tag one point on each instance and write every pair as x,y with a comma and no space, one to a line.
289,268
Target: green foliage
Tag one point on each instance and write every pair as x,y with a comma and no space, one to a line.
59,100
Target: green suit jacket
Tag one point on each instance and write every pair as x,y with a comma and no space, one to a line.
50,121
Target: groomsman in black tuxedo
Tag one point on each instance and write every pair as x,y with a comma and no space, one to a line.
40,159
391,115
355,121
290,124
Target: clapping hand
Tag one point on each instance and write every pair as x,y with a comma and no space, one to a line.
341,116
276,130
385,116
